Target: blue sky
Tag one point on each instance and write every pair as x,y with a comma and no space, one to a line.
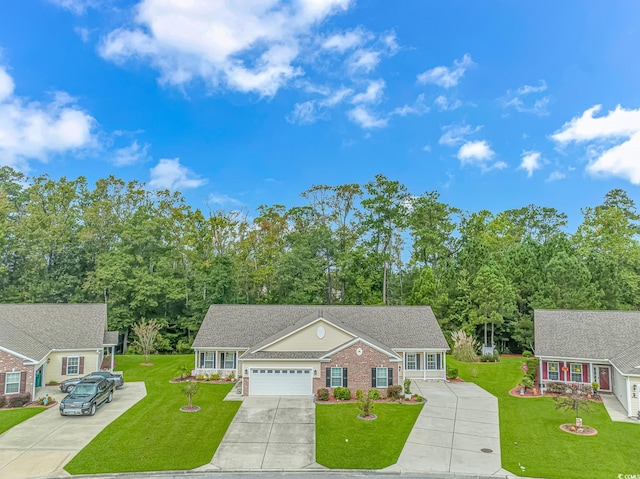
238,103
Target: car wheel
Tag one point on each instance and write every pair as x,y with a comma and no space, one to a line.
68,389
110,398
92,411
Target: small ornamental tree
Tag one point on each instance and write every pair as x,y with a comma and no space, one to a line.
190,389
464,347
365,405
575,401
147,333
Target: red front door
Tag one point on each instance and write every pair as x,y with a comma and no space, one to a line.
603,377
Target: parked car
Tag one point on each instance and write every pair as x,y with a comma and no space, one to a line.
116,379
87,396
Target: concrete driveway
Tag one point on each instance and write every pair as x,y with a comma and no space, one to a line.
44,444
269,432
457,431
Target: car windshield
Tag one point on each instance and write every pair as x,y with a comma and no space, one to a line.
84,389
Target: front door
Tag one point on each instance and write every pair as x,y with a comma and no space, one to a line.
39,378
604,380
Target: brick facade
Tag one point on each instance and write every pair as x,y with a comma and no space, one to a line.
10,364
358,368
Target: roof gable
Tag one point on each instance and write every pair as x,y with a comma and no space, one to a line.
317,335
33,330
585,334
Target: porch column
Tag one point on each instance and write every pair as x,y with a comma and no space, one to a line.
424,365
444,365
540,373
237,365
195,361
113,357
592,379
404,367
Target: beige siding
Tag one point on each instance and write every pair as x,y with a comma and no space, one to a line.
635,401
53,368
619,387
307,339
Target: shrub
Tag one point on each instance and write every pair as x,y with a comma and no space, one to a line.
527,354
532,364
526,382
419,398
464,346
556,388
359,393
365,404
488,358
2,403
373,394
322,394
407,386
200,377
214,377
394,392
452,373
190,389
18,400
342,393
231,376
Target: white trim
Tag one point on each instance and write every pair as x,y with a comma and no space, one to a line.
608,366
419,350
300,329
21,356
19,373
352,342
628,396
557,363
215,348
561,358
66,371
281,359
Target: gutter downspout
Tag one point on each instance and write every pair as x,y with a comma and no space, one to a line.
628,383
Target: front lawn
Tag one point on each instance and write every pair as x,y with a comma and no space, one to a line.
530,434
345,442
154,434
12,417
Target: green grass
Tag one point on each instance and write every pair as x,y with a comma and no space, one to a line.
371,444
530,435
13,417
154,435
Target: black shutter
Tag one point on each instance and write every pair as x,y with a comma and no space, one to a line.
235,360
438,364
2,383
201,360
373,377
81,366
328,377
390,378
64,366
417,361
344,377
23,381
221,361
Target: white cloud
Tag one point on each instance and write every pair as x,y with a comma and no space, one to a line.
555,176
442,103
531,161
447,77
363,61
372,94
304,113
614,141
83,33
479,153
171,175
245,46
418,108
222,199
455,134
427,148
537,107
365,119
341,42
336,97
130,155
77,7
33,130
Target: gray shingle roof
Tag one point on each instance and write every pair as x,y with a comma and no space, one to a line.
33,330
389,327
586,334
629,361
284,355
110,338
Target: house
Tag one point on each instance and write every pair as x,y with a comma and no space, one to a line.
581,347
295,350
43,343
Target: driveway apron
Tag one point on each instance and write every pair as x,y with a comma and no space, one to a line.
457,431
269,432
44,444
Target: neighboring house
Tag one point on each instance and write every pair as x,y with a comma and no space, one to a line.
581,347
295,350
41,343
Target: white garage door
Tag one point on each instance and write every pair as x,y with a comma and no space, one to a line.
280,382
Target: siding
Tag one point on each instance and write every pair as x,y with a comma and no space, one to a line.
620,388
54,366
307,339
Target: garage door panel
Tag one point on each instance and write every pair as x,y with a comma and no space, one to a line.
280,382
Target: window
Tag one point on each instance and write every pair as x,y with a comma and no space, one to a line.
381,377
12,383
73,365
576,373
433,361
412,361
336,377
553,371
207,360
229,360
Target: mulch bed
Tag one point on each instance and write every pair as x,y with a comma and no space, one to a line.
515,392
191,379
31,404
579,430
147,364
370,417
333,400
456,380
190,408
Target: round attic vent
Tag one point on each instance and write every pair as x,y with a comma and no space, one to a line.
359,351
320,332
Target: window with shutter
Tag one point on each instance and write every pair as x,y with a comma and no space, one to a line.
73,365
12,383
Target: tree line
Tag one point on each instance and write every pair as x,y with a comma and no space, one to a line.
148,254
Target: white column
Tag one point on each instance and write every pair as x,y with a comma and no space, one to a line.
113,357
424,365
444,365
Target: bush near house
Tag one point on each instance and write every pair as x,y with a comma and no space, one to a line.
342,393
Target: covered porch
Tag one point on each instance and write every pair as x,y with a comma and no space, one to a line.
223,362
424,365
575,371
